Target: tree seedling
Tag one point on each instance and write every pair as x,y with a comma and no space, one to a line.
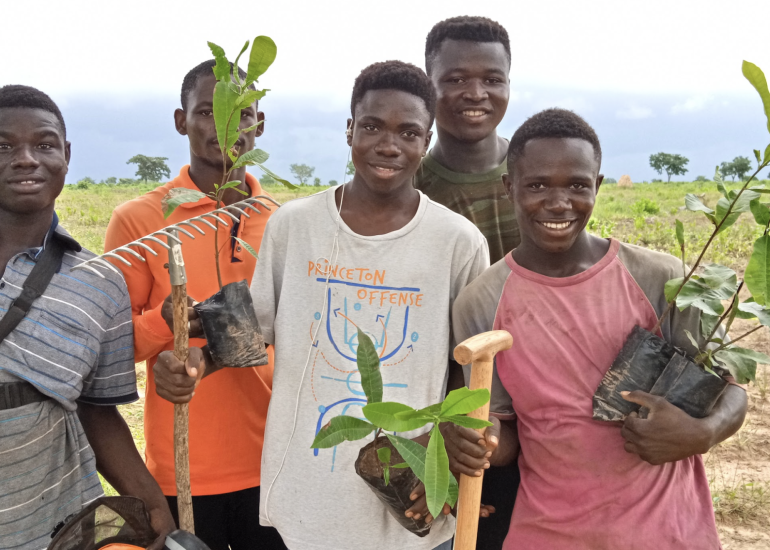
714,284
430,465
231,95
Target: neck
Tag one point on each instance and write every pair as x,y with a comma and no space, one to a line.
204,175
369,213
465,157
583,254
18,232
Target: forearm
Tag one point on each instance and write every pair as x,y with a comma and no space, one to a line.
117,458
508,448
151,334
726,417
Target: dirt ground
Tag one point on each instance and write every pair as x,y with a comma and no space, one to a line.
739,468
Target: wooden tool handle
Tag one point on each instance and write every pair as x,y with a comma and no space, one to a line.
480,351
181,414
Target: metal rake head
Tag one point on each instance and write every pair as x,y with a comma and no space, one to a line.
231,212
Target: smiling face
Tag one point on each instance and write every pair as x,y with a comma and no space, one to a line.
34,158
471,80
553,187
197,123
390,137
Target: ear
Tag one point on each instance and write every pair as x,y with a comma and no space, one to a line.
261,127
180,121
349,131
67,152
508,184
428,137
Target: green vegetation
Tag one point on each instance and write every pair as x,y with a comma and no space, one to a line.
672,165
302,172
150,168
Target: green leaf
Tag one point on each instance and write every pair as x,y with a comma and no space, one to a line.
386,475
694,204
680,234
383,453
707,324
742,204
707,291
249,97
692,339
222,68
235,63
277,177
229,185
754,310
757,78
383,415
453,492
177,196
412,452
757,274
436,473
741,365
263,52
760,212
671,287
402,465
342,428
247,246
369,366
758,156
250,158
225,112
466,421
251,128
463,401
767,153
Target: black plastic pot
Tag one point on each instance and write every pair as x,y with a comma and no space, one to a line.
648,363
231,327
395,495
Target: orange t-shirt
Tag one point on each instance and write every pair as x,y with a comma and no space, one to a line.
228,412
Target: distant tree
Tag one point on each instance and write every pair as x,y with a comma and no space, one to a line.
741,167
333,183
727,170
85,183
150,168
317,182
267,179
351,169
701,178
302,172
125,181
110,181
610,180
671,164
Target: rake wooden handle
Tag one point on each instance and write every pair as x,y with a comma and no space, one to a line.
178,278
480,352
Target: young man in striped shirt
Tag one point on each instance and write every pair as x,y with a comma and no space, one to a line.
69,362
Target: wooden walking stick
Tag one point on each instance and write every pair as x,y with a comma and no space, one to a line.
478,351
178,277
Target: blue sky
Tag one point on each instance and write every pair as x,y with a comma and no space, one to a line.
659,75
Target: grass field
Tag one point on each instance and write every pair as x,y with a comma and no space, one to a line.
738,469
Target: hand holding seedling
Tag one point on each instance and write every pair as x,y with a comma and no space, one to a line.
167,312
176,381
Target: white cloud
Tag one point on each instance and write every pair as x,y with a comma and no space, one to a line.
634,112
691,104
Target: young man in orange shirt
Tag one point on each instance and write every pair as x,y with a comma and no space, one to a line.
227,416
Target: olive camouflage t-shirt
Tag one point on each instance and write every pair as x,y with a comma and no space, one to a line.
479,197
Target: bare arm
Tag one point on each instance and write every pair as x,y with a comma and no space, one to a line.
119,462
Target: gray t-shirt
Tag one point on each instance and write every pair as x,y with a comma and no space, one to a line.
399,289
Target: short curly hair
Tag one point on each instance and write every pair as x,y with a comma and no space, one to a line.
26,97
465,27
552,123
196,73
395,75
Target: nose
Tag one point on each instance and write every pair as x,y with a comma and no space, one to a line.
475,90
387,145
24,157
557,201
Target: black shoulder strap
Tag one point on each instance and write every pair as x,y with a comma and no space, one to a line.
36,283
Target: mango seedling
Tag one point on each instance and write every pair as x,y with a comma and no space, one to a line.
386,418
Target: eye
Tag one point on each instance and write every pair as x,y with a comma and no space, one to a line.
5,145
370,127
457,80
411,134
578,186
206,112
536,186
494,80
45,146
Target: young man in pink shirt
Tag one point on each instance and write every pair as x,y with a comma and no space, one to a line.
570,299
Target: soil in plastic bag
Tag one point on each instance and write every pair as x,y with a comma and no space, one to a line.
395,495
638,366
231,328
688,386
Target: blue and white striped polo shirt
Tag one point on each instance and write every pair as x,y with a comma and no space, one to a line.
74,345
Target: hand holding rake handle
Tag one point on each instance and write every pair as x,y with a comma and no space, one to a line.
479,351
178,277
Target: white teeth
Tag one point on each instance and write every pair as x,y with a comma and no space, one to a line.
563,225
474,113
